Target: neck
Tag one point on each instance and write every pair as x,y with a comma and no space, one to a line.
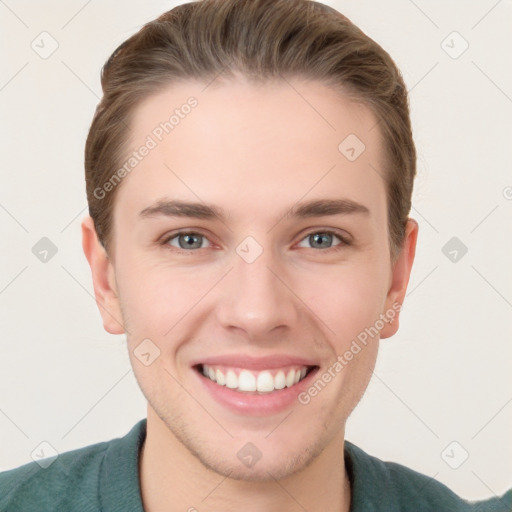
173,479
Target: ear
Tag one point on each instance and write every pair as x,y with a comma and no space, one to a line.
400,278
103,277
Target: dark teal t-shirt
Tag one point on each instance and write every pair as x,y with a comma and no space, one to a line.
104,478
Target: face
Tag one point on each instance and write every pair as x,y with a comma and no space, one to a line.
270,278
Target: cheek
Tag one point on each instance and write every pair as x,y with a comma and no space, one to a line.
345,297
346,300
156,298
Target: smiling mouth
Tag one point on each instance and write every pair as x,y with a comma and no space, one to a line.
255,382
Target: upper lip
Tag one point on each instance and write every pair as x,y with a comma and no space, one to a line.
255,363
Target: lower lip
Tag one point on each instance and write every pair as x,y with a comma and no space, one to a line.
253,403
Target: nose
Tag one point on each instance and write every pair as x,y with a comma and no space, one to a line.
257,298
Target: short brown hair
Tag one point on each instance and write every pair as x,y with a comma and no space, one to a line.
261,40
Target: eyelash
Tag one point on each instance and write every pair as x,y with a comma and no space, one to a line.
344,241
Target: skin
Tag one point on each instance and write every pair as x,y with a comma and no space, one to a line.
255,151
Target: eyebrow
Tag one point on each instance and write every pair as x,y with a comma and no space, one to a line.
312,208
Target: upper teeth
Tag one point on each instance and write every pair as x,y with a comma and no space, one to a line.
245,380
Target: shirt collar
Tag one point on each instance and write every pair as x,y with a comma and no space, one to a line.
119,483
371,487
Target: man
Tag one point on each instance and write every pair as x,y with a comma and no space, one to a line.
249,175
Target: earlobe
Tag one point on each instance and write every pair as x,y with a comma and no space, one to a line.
400,278
103,277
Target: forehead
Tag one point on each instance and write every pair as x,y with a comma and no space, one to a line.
249,146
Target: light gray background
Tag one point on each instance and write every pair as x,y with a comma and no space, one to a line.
444,377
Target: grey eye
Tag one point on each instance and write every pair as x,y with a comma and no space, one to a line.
321,239
187,240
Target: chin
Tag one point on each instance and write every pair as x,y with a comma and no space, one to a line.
280,467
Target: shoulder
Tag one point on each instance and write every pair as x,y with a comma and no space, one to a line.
86,479
392,486
53,484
